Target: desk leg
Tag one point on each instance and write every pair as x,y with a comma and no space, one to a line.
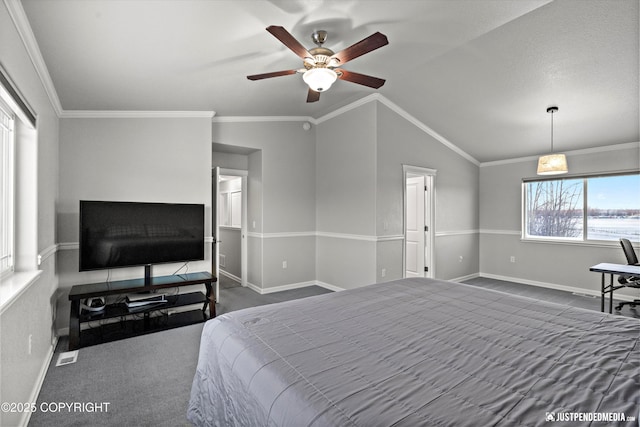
611,293
602,292
74,325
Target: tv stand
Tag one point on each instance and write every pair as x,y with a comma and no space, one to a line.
139,320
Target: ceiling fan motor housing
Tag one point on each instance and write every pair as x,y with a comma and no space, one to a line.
321,58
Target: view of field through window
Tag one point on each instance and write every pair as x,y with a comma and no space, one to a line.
556,208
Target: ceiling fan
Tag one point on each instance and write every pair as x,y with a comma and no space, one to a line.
321,64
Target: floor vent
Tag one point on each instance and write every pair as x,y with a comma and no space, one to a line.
67,358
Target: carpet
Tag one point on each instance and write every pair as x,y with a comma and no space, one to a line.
145,380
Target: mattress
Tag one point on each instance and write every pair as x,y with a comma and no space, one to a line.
417,352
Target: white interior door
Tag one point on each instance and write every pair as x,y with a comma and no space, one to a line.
215,228
415,227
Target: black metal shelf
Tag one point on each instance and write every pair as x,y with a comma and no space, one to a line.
103,326
120,309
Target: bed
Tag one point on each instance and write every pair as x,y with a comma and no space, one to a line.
417,352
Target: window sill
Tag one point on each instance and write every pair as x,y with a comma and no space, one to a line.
588,243
15,285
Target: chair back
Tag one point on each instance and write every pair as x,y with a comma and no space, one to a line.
632,259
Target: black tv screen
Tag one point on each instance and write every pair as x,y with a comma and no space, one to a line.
126,234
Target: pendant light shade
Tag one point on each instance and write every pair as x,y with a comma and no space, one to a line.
552,164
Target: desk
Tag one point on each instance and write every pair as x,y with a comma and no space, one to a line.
612,269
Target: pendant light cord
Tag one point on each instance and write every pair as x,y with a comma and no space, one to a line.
552,110
551,131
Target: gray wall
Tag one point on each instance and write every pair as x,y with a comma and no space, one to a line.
547,264
456,197
130,159
346,198
281,199
230,249
32,313
359,185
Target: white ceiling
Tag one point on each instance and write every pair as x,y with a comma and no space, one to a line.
480,73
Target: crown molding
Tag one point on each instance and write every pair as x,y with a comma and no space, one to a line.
606,148
115,114
426,129
19,18
351,106
405,115
245,119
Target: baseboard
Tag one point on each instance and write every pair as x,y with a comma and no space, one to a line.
467,277
328,286
40,380
230,276
263,291
572,289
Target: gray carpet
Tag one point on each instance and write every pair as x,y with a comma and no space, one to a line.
553,295
147,380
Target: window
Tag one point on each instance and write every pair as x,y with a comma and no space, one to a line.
596,208
6,189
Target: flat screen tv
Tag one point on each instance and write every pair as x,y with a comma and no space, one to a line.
127,234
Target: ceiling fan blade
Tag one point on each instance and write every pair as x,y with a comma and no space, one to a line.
273,74
361,79
313,96
373,42
289,41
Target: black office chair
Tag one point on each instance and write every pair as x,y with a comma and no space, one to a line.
630,281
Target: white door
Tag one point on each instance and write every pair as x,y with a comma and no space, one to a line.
215,221
415,226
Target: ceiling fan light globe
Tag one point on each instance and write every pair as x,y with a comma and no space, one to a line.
319,79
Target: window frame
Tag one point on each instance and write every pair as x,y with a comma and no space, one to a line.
7,219
582,239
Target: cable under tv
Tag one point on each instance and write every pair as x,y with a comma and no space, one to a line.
139,300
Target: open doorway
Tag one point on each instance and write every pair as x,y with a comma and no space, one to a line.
419,208
229,219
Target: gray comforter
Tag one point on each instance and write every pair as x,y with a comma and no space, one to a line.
417,352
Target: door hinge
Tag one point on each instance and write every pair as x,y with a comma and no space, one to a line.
426,228
426,269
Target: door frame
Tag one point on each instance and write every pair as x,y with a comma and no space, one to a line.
244,175
429,212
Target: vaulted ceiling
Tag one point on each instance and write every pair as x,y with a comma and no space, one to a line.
480,73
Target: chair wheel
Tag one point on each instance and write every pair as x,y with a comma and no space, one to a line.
618,307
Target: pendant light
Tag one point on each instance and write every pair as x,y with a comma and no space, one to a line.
552,164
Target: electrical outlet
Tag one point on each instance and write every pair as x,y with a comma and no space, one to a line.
512,259
384,272
461,258
284,264
30,343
